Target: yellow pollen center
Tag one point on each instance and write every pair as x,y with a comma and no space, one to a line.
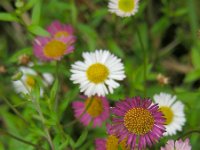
112,143
126,5
61,34
30,81
138,121
168,114
54,49
97,73
96,106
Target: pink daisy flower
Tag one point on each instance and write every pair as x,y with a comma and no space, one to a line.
97,111
111,142
57,30
177,145
138,120
57,45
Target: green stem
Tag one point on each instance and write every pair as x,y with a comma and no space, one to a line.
19,139
57,78
38,109
77,119
188,133
14,110
144,58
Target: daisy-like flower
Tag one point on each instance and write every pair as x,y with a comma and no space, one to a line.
57,45
57,30
97,110
177,145
29,81
173,112
139,121
111,142
123,8
97,73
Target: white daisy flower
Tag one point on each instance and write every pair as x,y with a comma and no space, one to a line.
173,111
123,8
28,78
97,73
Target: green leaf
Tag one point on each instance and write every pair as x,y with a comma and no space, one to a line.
81,139
192,76
54,90
64,144
37,30
196,56
36,12
8,17
112,45
30,4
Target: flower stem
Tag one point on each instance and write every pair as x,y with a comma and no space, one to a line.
38,109
19,139
144,58
188,133
77,119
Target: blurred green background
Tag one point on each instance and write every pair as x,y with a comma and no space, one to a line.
169,32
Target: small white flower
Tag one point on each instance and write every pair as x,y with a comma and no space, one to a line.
123,8
29,81
173,111
97,73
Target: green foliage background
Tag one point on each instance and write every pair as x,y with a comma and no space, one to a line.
168,29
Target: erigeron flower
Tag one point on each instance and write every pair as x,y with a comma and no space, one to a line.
60,43
98,73
28,80
95,109
173,111
177,145
123,8
138,120
111,142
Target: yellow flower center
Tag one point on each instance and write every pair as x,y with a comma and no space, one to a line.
54,49
96,106
168,113
30,81
138,121
112,143
97,73
61,34
126,5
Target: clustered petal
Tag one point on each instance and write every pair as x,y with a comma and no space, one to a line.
173,111
97,111
177,145
141,109
123,8
98,73
60,42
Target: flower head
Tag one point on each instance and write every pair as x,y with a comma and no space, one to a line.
139,121
177,145
98,72
58,30
111,142
123,8
173,112
57,45
97,110
29,80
